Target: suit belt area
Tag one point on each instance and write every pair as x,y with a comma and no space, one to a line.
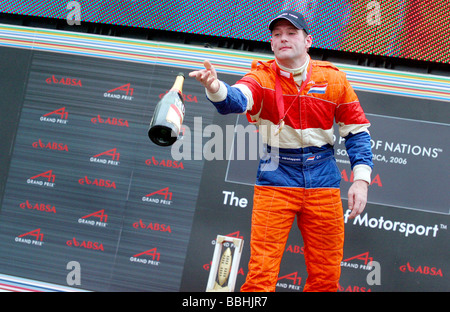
308,156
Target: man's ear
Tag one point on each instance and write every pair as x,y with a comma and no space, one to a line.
308,41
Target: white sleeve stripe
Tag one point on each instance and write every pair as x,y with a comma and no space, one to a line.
344,130
220,95
247,93
362,172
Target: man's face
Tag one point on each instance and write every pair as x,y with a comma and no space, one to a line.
289,44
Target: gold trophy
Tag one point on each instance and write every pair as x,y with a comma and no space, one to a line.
223,272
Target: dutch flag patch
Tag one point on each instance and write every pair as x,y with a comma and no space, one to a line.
319,88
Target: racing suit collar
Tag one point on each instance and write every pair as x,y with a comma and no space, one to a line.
296,72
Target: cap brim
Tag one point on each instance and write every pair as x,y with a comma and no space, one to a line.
271,25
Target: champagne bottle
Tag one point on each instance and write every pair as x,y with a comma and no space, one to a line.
167,119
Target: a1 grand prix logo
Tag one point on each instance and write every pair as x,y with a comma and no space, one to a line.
162,196
58,116
46,179
35,237
149,257
109,157
124,92
98,218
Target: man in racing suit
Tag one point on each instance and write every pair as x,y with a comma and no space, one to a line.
297,99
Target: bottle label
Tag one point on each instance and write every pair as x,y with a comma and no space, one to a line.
175,114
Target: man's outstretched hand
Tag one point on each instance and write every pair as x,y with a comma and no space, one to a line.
207,77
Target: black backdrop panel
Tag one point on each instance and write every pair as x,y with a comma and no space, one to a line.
81,175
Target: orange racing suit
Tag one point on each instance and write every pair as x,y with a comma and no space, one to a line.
299,176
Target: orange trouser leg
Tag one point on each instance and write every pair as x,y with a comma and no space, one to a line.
320,219
322,226
272,220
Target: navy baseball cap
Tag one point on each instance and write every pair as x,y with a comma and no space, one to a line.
296,18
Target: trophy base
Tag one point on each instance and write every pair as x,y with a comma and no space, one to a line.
218,288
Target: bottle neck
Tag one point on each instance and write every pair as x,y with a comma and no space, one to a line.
178,85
